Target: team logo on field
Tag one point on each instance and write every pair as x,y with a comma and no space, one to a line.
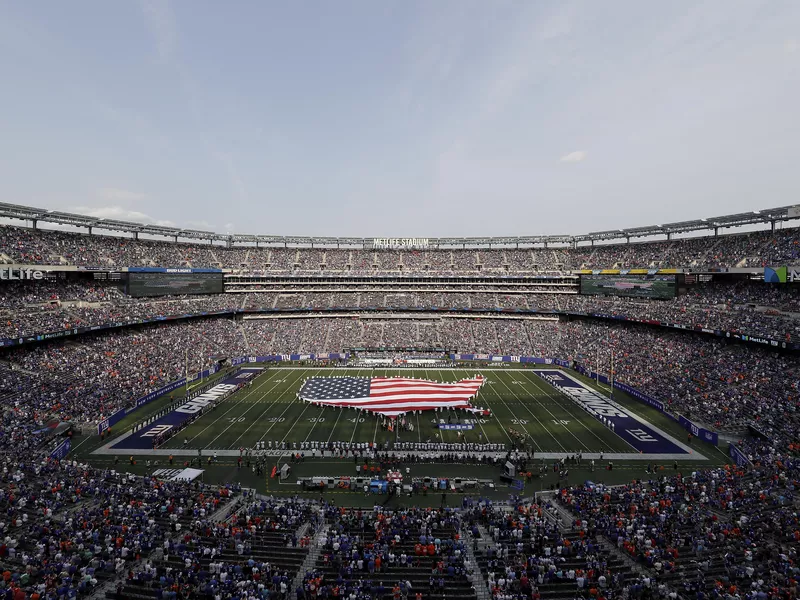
157,430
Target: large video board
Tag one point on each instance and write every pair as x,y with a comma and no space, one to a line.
636,286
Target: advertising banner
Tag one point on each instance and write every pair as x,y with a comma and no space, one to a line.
738,456
704,434
61,450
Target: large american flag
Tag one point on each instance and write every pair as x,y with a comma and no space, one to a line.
390,396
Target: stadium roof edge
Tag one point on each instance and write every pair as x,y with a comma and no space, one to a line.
28,213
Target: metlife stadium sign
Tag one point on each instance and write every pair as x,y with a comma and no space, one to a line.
20,274
400,243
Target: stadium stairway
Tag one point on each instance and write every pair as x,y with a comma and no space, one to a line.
311,558
478,582
267,546
417,571
240,327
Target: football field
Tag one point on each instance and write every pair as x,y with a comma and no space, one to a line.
523,407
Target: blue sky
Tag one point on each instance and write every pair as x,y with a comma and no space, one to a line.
400,118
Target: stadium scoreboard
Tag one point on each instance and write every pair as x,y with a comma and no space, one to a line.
633,286
173,284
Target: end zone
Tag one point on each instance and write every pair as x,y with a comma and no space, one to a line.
185,413
641,435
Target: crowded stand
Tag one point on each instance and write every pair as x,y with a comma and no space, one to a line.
749,307
101,306
84,380
256,552
19,245
416,553
727,532
69,529
718,533
526,553
722,385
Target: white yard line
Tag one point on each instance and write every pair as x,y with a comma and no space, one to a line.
358,415
534,381
500,399
292,403
232,407
339,416
547,429
302,412
375,433
583,445
258,418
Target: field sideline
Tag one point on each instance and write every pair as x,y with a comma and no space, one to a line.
268,410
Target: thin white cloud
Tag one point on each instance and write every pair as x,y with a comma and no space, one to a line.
791,46
199,224
573,157
556,25
119,195
121,214
161,23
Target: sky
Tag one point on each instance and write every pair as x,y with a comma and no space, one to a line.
400,118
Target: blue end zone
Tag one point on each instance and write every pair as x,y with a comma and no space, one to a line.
189,410
636,431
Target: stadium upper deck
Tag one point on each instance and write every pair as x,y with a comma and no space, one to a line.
362,256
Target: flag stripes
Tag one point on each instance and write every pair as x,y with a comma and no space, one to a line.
390,396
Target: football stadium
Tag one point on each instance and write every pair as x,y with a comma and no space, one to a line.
282,378
399,301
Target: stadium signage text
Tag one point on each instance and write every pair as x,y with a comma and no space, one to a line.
197,404
20,274
400,243
594,404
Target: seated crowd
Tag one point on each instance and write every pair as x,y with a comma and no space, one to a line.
718,533
725,386
42,247
756,309
69,528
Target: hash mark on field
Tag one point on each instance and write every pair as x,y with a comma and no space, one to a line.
288,406
358,414
545,427
603,443
297,420
258,418
339,416
233,406
499,422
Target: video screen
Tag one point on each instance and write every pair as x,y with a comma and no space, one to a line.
168,284
636,286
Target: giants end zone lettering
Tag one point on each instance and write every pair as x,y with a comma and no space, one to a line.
195,405
592,402
635,431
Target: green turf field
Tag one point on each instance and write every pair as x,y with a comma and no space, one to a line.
519,400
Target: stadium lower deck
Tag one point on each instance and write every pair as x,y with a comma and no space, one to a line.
527,411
